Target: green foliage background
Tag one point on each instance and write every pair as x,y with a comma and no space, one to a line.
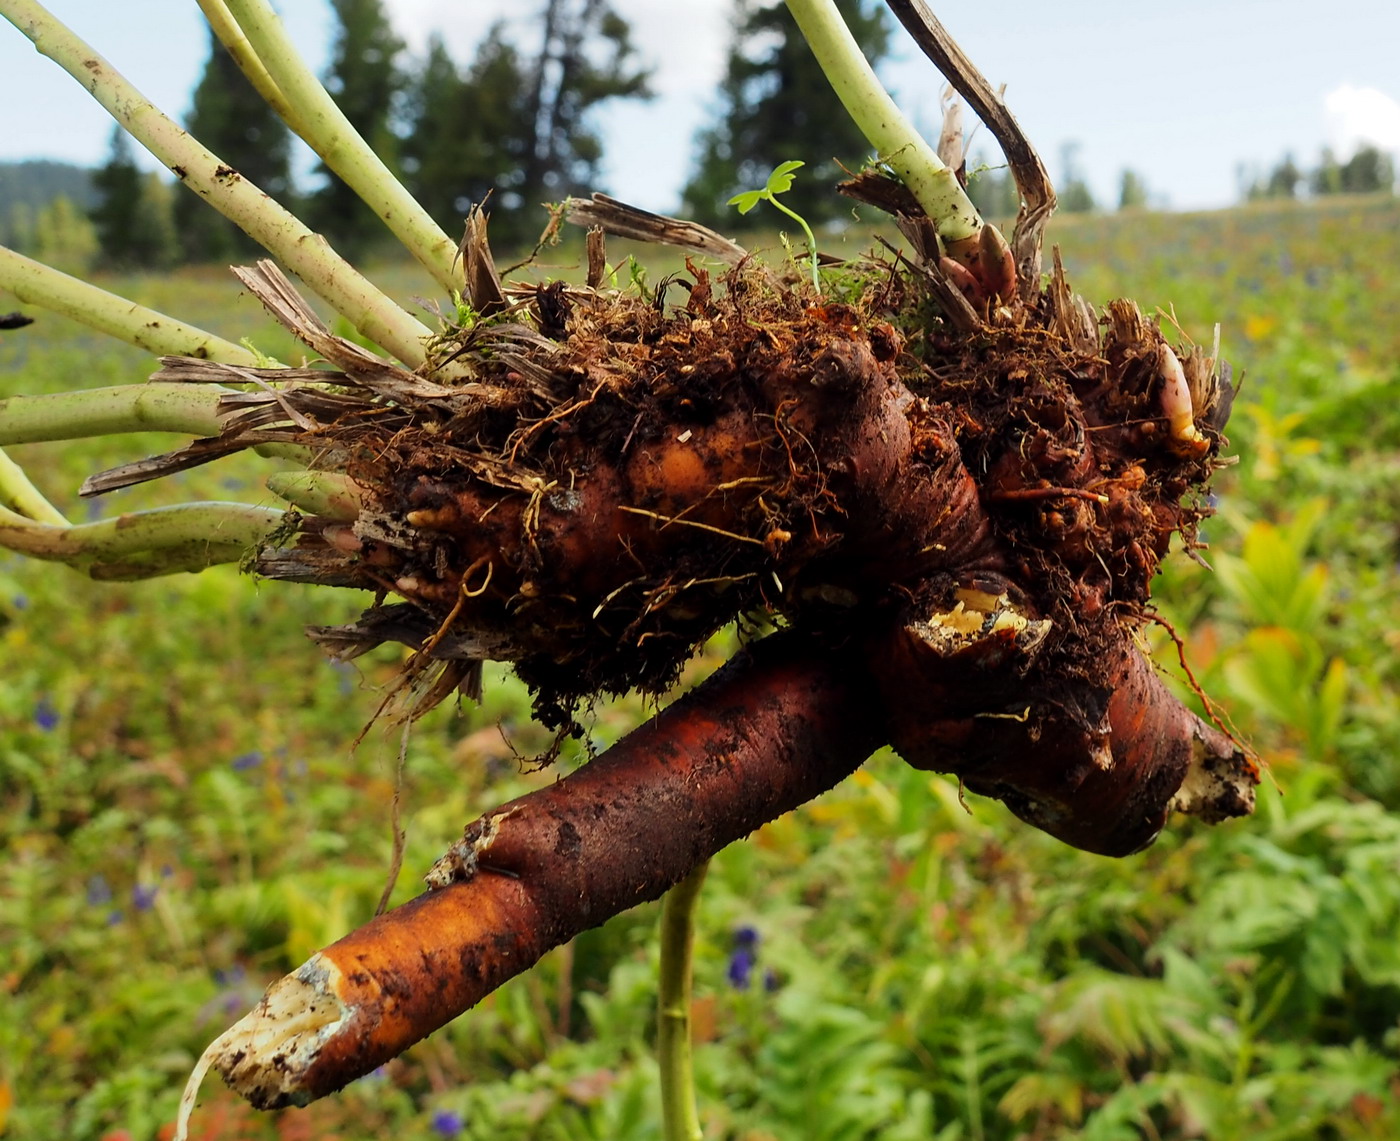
182,819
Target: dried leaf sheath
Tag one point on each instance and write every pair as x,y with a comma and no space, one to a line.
778,725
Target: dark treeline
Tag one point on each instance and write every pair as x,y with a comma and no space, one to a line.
515,127
1369,171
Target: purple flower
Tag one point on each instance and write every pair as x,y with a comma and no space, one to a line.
99,891
232,977
741,968
447,1123
45,715
143,898
245,761
21,602
114,917
743,957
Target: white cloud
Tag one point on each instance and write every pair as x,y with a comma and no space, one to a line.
1357,116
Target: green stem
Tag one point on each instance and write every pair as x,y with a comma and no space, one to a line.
37,284
307,254
226,29
145,544
680,1118
811,238
330,495
894,138
330,134
150,407
18,494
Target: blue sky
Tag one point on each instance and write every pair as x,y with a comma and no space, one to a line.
1183,93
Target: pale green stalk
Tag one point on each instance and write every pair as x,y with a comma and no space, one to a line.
307,254
151,407
226,29
894,138
18,494
145,544
330,134
680,1120
37,284
331,495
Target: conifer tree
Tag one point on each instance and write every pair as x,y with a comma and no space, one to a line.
1369,171
1132,191
230,118
776,105
366,81
517,126
586,57
470,133
132,215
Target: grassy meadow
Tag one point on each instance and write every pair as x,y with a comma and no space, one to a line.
183,819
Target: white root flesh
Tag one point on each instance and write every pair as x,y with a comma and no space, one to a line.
1176,401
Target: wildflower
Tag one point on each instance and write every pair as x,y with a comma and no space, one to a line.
20,602
447,1123
45,715
245,761
99,891
143,898
743,957
231,977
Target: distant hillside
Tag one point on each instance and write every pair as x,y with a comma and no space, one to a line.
37,182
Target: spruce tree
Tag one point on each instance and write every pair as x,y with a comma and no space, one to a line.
470,134
517,126
1132,191
231,119
585,58
1369,171
776,105
365,80
132,215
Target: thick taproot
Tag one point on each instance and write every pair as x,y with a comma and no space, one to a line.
777,726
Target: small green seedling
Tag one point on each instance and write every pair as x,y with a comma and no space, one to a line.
780,182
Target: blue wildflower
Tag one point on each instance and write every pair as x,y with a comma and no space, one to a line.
231,977
114,917
743,958
447,1123
741,968
99,891
46,715
245,761
143,898
20,602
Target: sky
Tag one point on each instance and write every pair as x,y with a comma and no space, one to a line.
1185,94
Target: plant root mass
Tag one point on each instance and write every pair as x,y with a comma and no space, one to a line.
974,516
